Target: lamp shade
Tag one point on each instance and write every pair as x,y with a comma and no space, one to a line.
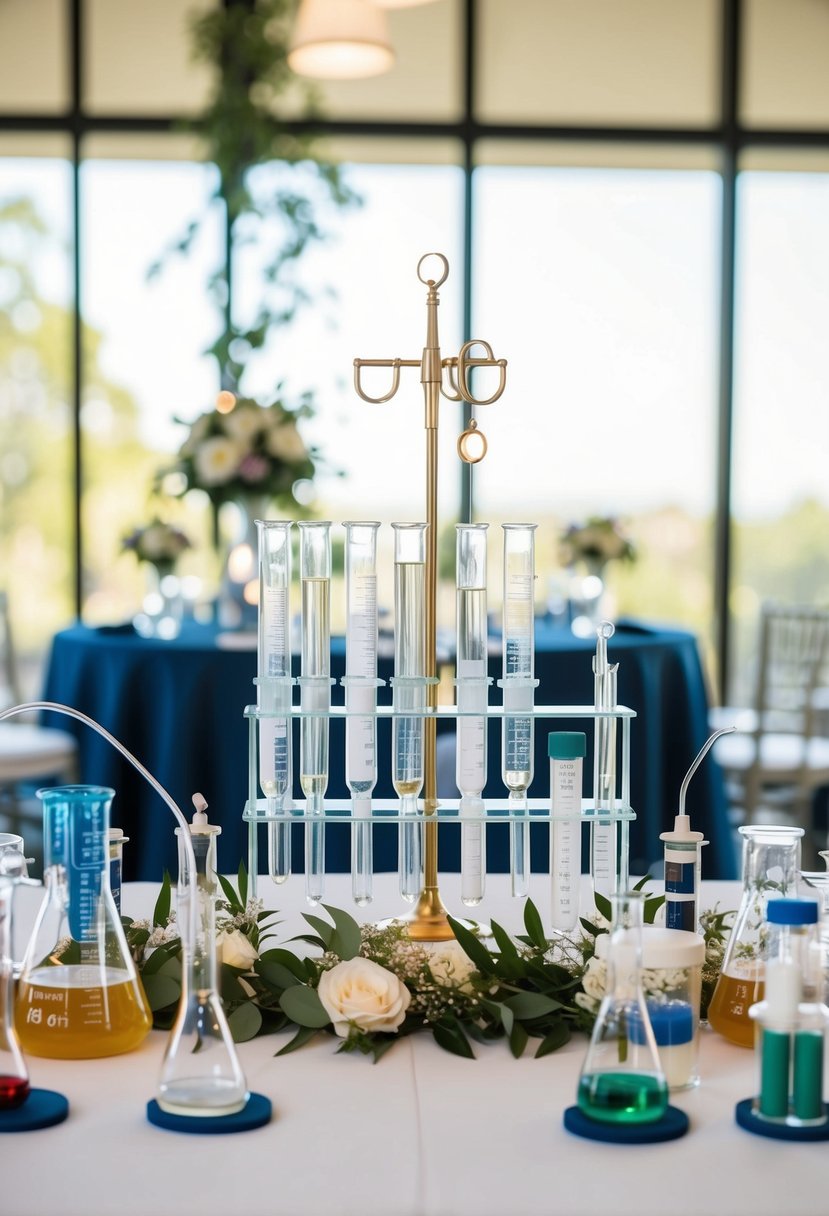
340,40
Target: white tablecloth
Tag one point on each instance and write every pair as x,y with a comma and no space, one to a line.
420,1132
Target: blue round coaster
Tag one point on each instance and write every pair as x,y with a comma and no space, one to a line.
673,1124
42,1108
746,1118
255,1113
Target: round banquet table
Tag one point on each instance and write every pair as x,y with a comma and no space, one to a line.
422,1133
178,706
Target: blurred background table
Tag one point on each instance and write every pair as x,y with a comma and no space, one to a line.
178,706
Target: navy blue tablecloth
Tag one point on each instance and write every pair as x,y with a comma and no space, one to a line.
178,706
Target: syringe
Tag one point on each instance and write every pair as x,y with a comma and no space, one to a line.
603,843
361,683
273,687
315,694
518,683
472,686
566,749
409,693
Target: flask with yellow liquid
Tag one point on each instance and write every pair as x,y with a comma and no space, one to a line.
771,869
79,995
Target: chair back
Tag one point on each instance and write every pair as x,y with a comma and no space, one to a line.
794,649
9,683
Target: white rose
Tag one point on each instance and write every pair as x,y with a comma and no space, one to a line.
451,966
285,443
217,460
362,994
244,423
594,980
235,950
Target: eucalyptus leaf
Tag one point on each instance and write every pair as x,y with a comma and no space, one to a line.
603,906
245,1022
161,991
555,1038
652,906
534,926
325,931
242,879
161,911
452,1038
506,945
518,1040
159,957
347,939
507,1018
475,950
528,1005
303,1006
302,1036
276,975
286,959
229,894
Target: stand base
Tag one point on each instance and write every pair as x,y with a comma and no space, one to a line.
42,1108
751,1122
673,1124
255,1113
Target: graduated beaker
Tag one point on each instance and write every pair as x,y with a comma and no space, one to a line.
79,994
771,867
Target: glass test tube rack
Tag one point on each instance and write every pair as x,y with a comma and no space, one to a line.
494,810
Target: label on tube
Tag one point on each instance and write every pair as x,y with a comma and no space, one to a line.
680,888
565,842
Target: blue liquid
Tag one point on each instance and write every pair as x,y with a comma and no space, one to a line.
622,1097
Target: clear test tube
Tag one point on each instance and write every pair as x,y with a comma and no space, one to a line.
361,683
273,687
519,686
315,693
472,685
604,836
566,749
409,693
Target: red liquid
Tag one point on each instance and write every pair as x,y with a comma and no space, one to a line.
13,1092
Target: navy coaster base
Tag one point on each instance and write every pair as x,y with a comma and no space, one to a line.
673,1124
255,1113
42,1108
748,1121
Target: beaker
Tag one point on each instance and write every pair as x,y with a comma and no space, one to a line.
79,994
360,682
315,693
622,1080
771,865
472,685
409,693
519,684
14,1076
273,686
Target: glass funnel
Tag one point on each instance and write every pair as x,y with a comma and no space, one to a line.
771,866
201,1074
14,1076
79,994
622,1080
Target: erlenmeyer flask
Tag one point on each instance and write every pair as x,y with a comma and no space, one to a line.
14,1076
201,1074
771,866
621,1080
79,994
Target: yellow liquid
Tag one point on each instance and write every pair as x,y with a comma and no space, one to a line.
732,999
62,1013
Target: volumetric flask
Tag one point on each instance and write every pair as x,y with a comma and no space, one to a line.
315,693
361,695
771,866
472,685
519,685
79,995
622,1080
273,686
409,693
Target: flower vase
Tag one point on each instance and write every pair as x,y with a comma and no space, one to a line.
238,602
588,598
162,606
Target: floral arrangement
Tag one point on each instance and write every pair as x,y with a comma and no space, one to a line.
157,542
369,985
242,448
596,541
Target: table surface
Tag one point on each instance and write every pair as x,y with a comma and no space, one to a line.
179,707
422,1133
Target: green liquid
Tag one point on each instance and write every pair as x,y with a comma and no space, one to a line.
622,1097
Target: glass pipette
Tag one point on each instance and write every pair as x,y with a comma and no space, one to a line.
518,684
315,693
409,693
603,859
472,684
273,688
361,694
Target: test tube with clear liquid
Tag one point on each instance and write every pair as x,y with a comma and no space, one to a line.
273,687
361,695
315,693
409,693
472,685
519,686
604,836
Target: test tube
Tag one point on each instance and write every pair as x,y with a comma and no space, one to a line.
566,749
361,695
273,687
603,836
518,684
315,697
472,684
409,693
